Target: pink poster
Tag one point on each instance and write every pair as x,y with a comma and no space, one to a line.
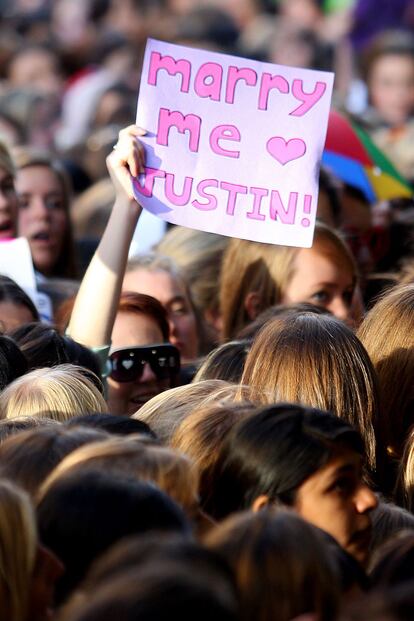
233,146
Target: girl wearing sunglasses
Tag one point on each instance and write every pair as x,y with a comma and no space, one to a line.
142,363
131,329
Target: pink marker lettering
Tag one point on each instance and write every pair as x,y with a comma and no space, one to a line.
234,190
307,209
308,99
172,67
234,75
268,83
150,175
190,123
224,132
278,211
259,194
211,199
208,81
178,199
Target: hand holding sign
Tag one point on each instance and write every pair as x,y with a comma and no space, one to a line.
233,145
126,160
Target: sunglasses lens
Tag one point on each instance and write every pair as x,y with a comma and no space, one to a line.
164,362
126,367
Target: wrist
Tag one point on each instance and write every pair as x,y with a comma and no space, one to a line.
128,206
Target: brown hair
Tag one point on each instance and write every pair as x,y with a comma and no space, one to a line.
129,302
27,157
389,42
266,269
30,456
281,564
139,303
138,457
317,361
387,333
201,434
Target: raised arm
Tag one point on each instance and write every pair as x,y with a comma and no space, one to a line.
96,304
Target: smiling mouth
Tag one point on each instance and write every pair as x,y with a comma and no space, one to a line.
141,399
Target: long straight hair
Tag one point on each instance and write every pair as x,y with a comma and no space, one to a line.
18,547
387,333
315,360
27,157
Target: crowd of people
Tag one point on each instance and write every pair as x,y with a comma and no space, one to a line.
207,427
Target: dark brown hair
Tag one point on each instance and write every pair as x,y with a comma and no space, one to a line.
139,303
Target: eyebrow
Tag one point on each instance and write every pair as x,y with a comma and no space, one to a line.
176,298
332,285
345,469
52,194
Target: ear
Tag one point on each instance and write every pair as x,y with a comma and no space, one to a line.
259,503
252,304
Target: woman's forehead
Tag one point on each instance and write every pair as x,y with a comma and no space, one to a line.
342,461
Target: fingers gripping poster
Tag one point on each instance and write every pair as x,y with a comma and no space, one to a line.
233,146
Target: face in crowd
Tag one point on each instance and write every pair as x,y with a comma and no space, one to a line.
337,500
132,329
172,294
319,277
391,87
42,217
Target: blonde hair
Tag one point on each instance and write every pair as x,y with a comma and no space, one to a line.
164,412
153,262
137,456
198,256
387,333
315,360
266,270
404,491
60,392
18,547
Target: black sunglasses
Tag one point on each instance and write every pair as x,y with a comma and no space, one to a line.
127,364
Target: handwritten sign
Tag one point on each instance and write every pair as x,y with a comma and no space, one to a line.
233,145
16,263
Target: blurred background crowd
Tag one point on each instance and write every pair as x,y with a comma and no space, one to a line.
173,399
70,72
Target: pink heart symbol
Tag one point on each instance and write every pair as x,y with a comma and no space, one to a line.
285,151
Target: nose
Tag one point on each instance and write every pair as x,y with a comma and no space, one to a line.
340,309
172,325
148,375
365,499
39,209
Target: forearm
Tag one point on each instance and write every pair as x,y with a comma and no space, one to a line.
96,304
